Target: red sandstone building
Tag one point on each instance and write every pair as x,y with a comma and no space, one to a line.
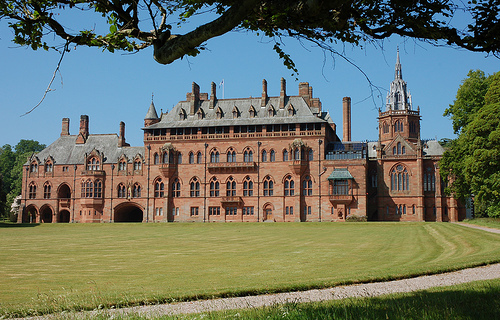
253,159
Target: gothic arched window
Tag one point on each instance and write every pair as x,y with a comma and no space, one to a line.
400,180
289,186
231,187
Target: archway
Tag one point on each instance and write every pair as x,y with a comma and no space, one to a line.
63,216
128,213
29,214
64,191
267,212
46,214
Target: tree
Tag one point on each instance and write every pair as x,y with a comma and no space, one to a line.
473,159
11,171
133,25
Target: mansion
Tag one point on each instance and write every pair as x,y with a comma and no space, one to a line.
269,158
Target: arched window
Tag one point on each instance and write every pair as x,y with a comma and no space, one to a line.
46,190
179,158
214,156
307,186
156,158
191,157
32,190
272,156
194,187
231,187
137,164
400,180
403,150
48,167
33,167
122,192
165,157
87,189
98,189
311,155
159,189
248,156
289,186
199,158
176,188
264,156
285,155
93,164
214,187
231,155
136,192
399,147
268,186
252,112
247,187
122,165
296,154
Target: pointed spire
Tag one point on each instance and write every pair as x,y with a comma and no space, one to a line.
151,115
399,73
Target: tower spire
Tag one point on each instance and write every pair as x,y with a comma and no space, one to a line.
399,73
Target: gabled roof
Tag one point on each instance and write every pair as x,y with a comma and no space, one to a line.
65,151
302,114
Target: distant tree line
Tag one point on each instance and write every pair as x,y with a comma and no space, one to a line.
11,171
472,161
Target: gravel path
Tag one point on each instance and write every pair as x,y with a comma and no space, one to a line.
361,290
493,230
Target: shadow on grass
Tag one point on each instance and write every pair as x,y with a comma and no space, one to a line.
478,302
18,225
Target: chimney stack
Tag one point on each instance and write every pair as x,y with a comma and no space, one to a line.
212,95
83,134
65,127
282,93
121,138
304,92
195,98
263,100
346,127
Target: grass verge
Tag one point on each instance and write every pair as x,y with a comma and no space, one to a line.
55,267
485,222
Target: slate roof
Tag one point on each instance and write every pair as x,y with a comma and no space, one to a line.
302,113
430,148
65,151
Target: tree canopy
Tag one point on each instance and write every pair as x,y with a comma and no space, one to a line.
133,25
473,159
11,170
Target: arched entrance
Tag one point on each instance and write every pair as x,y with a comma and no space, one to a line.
63,216
128,212
267,212
30,213
46,214
64,191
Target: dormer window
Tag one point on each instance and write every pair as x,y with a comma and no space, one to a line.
182,114
122,165
200,114
219,113
235,112
93,164
33,167
252,112
48,167
270,111
291,110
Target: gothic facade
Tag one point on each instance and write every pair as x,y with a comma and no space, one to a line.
270,158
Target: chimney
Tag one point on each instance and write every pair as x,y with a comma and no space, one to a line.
304,92
83,134
212,95
282,93
346,127
121,137
263,100
65,127
195,98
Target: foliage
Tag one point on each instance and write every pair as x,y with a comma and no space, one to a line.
54,266
354,218
473,159
486,222
131,25
11,166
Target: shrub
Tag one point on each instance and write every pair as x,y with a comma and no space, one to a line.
356,219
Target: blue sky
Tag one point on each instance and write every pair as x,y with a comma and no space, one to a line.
117,87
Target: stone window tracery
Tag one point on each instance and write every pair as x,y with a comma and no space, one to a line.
307,186
231,187
159,189
32,190
46,190
289,186
176,188
268,186
214,187
400,180
247,187
194,187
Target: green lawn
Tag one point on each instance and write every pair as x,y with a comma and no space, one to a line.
53,267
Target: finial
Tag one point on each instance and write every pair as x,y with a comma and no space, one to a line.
152,96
